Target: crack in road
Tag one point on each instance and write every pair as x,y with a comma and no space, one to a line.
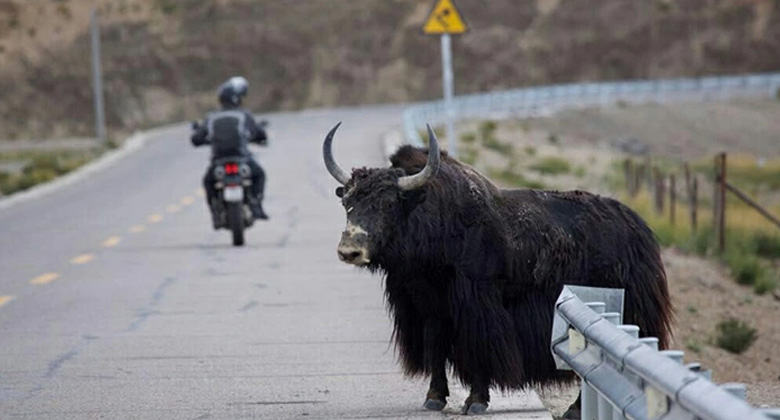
150,309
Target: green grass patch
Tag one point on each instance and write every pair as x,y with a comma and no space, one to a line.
766,283
469,156
468,138
745,268
168,7
42,166
511,178
551,166
734,336
693,345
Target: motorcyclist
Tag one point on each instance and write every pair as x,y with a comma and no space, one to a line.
229,131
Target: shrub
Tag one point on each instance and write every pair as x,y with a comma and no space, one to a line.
497,146
734,336
767,246
693,346
487,129
745,268
168,7
551,166
765,283
530,150
468,138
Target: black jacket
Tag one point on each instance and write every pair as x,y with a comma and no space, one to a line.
229,132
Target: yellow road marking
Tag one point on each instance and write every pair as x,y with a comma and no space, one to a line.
155,218
112,241
138,228
173,208
45,278
5,299
82,259
186,201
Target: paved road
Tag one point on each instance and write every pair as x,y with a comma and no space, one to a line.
118,301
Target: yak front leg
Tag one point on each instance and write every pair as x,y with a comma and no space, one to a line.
479,397
435,348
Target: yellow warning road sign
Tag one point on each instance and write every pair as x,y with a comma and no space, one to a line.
444,19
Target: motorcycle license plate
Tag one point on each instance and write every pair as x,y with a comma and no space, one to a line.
234,193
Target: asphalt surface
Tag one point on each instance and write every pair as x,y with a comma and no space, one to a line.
118,300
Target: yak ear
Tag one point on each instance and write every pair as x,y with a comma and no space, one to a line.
340,192
413,198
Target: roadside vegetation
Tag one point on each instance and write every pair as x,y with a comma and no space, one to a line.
752,246
20,170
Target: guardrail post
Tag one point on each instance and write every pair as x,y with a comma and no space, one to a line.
772,413
633,331
737,390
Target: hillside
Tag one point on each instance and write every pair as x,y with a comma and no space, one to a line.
163,58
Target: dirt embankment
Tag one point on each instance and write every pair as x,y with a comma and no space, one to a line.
163,58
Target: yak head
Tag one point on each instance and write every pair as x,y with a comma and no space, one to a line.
376,201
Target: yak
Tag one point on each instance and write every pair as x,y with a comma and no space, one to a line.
472,271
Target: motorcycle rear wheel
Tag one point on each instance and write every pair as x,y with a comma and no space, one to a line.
236,223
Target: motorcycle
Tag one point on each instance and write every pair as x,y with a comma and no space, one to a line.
231,206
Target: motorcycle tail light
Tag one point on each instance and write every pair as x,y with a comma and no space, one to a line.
231,168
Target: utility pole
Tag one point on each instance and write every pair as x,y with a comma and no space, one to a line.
97,79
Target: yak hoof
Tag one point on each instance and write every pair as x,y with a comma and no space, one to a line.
434,404
474,409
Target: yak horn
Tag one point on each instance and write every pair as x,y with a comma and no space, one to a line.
417,180
331,164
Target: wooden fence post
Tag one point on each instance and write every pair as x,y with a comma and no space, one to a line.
628,174
672,198
721,187
691,194
715,197
649,173
694,203
659,191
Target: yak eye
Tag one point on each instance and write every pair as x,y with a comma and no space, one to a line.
340,192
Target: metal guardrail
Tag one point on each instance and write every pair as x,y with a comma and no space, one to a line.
625,377
543,100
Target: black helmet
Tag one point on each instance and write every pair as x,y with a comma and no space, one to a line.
232,92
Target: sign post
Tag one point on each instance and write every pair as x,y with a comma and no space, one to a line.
446,20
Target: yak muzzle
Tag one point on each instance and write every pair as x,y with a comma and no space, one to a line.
353,255
353,248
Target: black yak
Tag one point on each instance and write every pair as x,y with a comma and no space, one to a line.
472,272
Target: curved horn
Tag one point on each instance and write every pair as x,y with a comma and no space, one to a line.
331,164
417,180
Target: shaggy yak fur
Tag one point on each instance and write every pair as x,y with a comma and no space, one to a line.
473,271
